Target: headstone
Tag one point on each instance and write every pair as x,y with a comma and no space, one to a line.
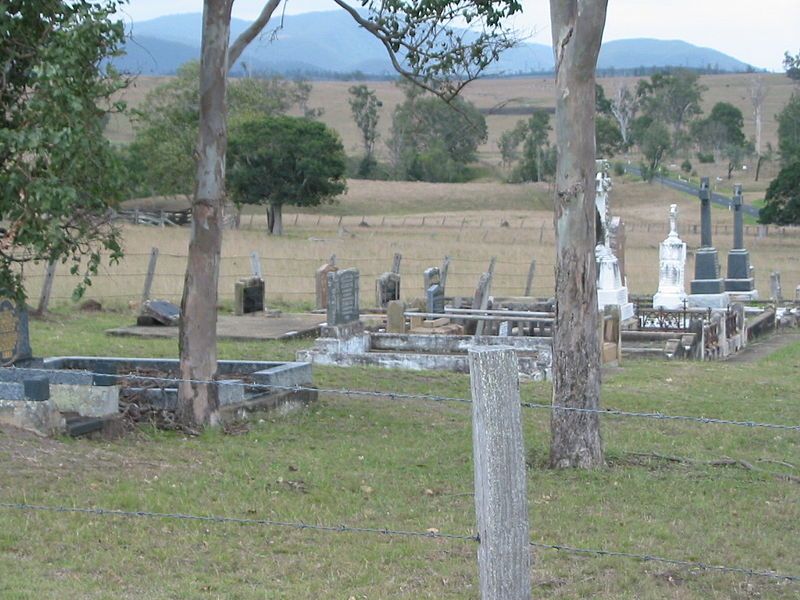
611,287
434,298
443,272
616,241
387,289
396,317
707,287
343,306
480,301
249,296
739,282
158,312
396,263
672,265
15,344
775,290
797,294
321,282
431,276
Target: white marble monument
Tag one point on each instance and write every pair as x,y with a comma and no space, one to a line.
610,287
672,265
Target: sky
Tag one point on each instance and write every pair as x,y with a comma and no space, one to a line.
757,33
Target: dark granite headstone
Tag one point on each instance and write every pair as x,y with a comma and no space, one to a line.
343,305
159,312
739,277
15,343
249,296
707,278
387,289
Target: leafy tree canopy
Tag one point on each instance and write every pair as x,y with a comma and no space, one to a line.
364,105
160,157
791,65
673,97
789,131
782,201
285,160
58,175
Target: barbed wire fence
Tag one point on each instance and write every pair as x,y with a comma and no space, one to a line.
699,420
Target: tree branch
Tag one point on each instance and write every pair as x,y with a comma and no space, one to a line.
249,34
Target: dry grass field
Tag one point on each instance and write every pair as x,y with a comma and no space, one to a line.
487,93
425,222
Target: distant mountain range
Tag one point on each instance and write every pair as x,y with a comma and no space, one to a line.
331,43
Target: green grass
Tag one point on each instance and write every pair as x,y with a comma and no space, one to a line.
406,464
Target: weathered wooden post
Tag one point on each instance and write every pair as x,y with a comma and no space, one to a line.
529,281
151,271
501,504
47,288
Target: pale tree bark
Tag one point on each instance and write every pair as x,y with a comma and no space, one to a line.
623,107
198,401
577,27
275,219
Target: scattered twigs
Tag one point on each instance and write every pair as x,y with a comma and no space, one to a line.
721,462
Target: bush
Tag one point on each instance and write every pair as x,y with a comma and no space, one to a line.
619,169
782,201
686,166
705,157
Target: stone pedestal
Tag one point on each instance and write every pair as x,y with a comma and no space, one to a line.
610,288
672,265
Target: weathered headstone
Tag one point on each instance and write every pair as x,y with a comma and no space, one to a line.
775,290
616,241
707,287
15,344
395,317
249,296
343,305
431,276
434,298
396,263
740,280
158,312
387,289
443,271
321,282
480,301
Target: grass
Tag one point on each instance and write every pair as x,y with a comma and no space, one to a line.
405,464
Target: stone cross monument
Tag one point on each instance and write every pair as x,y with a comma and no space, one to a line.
672,265
739,281
707,287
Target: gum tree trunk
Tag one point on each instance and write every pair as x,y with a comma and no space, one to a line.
198,401
577,27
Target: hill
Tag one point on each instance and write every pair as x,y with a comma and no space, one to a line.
330,43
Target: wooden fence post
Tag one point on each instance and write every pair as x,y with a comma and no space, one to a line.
501,502
529,282
47,288
151,271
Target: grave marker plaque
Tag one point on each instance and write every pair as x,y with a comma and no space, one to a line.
387,289
159,312
15,342
321,281
343,305
434,297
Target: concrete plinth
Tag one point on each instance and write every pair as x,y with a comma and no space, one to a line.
86,400
40,417
708,301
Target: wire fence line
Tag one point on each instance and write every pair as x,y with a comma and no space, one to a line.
430,533
172,381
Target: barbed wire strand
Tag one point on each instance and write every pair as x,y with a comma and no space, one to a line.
436,398
431,533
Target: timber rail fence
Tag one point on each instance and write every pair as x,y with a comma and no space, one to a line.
495,412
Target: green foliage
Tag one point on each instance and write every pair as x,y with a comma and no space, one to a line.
58,175
673,97
722,128
602,104
160,159
686,166
782,201
537,160
364,105
705,158
285,160
619,169
433,140
789,131
791,65
654,144
608,138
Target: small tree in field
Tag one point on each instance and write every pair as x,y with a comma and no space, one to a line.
58,175
284,160
364,105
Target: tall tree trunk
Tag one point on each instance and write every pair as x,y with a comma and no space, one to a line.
275,219
758,165
577,27
198,402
